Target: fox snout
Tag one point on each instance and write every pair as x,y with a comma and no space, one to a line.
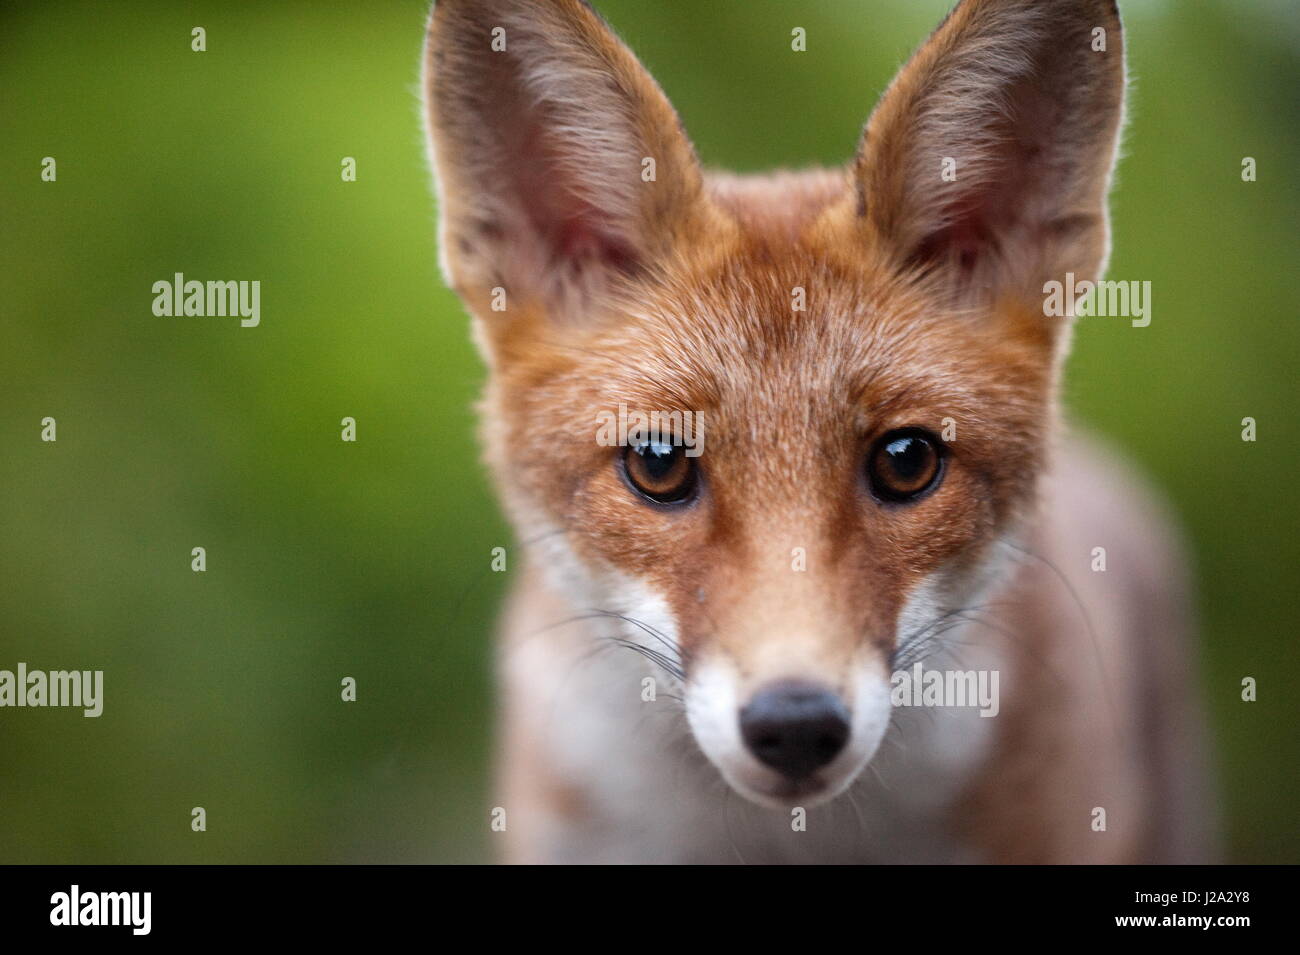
794,740
795,728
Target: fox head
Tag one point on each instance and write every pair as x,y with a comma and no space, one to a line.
865,352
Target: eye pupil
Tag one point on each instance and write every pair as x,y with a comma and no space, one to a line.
903,465
659,460
907,456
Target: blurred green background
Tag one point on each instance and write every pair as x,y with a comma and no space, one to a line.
371,560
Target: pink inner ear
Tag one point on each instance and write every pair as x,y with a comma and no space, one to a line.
580,239
969,238
573,231
1009,194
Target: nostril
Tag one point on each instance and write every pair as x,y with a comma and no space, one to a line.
796,728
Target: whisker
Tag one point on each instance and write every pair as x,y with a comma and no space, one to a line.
1083,610
652,631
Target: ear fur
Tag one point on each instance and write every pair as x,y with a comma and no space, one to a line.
1015,99
544,130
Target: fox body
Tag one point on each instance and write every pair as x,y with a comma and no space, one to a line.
697,658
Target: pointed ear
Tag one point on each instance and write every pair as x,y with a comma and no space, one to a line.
561,167
986,164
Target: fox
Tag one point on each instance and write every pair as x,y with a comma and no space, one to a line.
698,660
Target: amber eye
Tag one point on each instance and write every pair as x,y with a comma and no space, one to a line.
904,464
661,471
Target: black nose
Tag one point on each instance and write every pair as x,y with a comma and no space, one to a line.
795,727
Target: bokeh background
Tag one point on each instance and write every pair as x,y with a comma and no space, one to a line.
371,560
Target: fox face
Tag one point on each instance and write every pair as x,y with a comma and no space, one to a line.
864,352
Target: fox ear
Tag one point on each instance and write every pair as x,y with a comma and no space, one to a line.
985,167
561,166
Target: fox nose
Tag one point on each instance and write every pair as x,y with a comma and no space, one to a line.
795,728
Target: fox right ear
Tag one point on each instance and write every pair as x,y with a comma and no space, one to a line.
561,167
986,164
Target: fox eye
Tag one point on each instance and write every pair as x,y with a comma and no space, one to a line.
660,471
904,465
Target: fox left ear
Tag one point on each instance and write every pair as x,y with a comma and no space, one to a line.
562,169
986,165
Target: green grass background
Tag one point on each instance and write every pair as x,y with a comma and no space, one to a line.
370,560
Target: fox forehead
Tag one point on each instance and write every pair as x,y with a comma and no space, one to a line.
781,326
